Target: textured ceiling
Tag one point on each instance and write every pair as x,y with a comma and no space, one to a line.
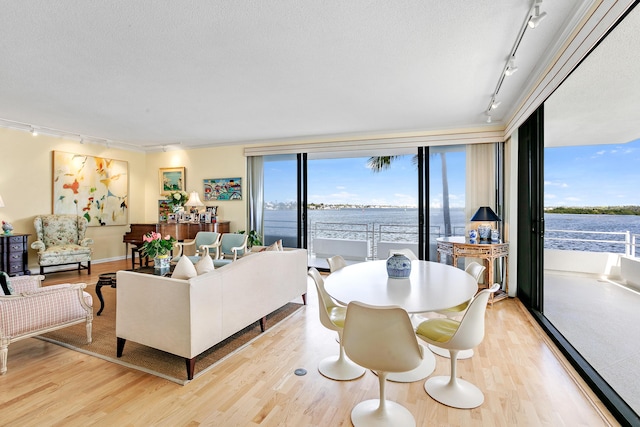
204,73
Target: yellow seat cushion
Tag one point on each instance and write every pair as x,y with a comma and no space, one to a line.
337,315
438,330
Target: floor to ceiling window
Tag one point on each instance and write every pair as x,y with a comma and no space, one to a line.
447,195
592,216
280,199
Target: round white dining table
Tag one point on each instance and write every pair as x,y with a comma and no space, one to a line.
431,286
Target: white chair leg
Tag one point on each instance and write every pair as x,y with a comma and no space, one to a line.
4,350
381,412
453,391
463,354
340,368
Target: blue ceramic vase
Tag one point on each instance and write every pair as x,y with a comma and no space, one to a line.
398,266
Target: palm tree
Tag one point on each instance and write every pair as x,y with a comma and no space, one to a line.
380,163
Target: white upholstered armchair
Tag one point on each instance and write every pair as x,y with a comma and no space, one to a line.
61,240
32,309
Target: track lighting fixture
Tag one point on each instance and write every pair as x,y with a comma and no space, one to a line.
34,132
537,17
531,20
511,67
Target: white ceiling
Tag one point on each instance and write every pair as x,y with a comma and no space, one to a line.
203,73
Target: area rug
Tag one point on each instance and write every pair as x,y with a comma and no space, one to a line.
147,359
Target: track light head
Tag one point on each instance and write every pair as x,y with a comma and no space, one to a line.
511,68
34,132
488,117
537,17
495,104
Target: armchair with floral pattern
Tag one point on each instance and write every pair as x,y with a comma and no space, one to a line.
61,241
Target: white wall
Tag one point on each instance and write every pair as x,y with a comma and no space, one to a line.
200,164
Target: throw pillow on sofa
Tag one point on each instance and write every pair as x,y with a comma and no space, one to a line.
273,247
204,265
184,269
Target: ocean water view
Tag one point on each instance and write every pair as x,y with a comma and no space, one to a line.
595,233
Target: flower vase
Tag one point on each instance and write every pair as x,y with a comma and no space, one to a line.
162,262
398,266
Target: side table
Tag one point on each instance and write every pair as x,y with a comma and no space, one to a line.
458,246
107,279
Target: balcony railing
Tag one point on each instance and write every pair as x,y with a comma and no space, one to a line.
593,241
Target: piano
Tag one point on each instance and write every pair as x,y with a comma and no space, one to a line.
181,231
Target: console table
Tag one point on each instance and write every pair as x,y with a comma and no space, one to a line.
458,246
14,254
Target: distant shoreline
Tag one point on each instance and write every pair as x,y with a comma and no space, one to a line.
595,210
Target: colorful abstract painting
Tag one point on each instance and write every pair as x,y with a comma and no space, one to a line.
223,189
94,187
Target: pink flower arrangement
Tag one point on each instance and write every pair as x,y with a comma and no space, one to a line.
155,245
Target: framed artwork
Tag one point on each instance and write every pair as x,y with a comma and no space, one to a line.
223,189
96,188
172,218
171,179
205,217
213,210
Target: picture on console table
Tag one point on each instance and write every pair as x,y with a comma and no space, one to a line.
163,210
93,187
223,189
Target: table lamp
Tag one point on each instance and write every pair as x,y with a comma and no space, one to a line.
194,202
485,214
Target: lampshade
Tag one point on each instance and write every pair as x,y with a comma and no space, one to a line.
485,213
194,200
1,202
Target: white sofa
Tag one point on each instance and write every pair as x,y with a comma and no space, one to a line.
187,317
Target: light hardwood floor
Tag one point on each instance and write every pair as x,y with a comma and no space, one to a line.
524,379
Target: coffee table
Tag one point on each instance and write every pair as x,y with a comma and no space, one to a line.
109,279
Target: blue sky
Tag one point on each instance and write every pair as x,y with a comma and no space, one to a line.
349,180
596,175
592,175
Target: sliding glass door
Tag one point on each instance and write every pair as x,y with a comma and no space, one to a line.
361,207
579,218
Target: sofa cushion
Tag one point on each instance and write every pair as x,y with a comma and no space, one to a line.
184,269
204,265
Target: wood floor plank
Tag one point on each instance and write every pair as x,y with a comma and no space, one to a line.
524,378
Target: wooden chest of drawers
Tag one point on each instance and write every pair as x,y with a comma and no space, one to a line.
14,254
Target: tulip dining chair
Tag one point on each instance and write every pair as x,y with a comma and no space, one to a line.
456,336
332,316
381,339
475,270
336,262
